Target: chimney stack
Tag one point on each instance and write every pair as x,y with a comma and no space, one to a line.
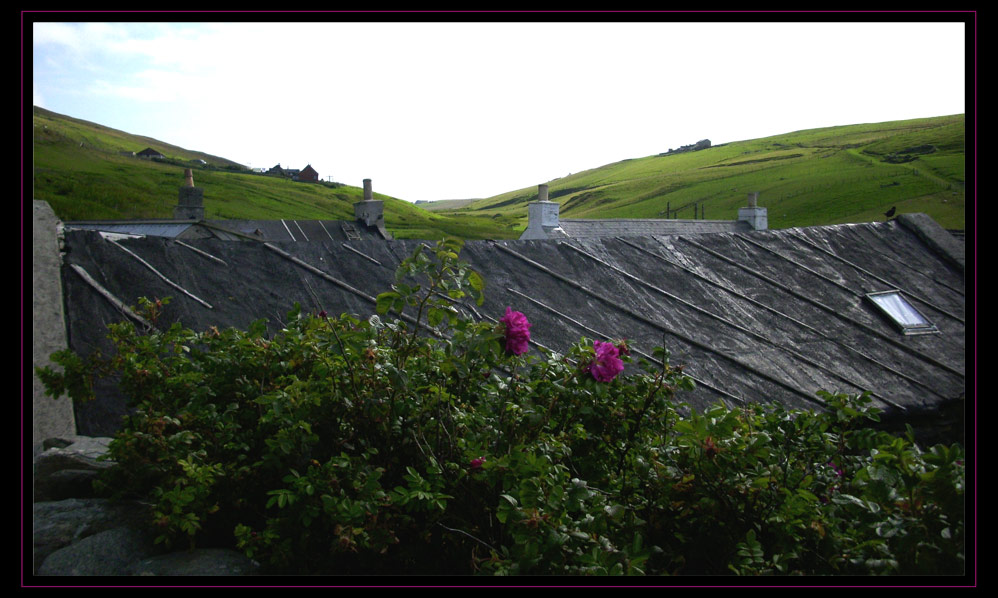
756,217
190,202
371,212
542,216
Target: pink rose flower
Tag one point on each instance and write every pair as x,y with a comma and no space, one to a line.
517,332
476,464
607,364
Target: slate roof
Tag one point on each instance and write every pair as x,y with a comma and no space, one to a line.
238,230
754,317
175,229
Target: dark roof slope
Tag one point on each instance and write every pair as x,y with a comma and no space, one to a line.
299,230
754,317
238,230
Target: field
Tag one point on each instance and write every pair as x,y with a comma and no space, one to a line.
823,176
833,175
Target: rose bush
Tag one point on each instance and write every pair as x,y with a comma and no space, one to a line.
357,446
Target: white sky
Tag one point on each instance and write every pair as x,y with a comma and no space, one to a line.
458,110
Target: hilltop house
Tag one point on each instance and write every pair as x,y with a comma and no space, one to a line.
150,153
754,316
308,174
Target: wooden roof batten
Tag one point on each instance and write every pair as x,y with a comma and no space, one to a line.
834,312
823,335
704,346
594,332
740,328
882,280
762,338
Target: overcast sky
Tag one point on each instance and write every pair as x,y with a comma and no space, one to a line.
457,110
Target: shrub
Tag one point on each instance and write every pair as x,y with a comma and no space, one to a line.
415,441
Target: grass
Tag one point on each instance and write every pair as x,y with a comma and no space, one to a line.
830,175
822,176
80,171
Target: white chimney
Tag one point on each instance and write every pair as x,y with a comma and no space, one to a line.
542,216
756,217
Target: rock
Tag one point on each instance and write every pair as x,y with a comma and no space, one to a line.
68,468
76,534
78,452
111,552
49,443
58,524
200,561
68,483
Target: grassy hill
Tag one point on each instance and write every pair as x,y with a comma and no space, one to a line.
822,176
79,169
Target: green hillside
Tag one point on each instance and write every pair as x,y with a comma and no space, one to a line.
832,175
822,176
79,169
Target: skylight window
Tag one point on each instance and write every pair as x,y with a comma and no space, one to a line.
901,313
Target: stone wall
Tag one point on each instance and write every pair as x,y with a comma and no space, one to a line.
49,417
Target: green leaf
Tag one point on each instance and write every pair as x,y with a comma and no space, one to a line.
478,285
385,301
807,495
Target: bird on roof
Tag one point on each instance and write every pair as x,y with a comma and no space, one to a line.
890,212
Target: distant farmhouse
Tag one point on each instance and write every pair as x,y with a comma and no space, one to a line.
278,171
150,153
307,174
693,147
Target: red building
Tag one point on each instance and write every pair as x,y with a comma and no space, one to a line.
308,174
